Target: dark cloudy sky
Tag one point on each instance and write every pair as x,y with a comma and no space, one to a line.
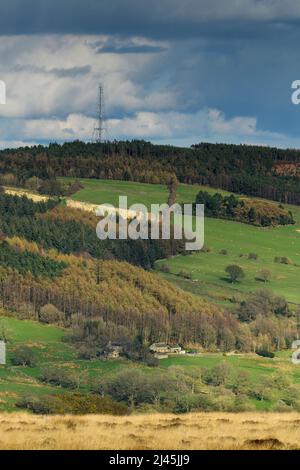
174,71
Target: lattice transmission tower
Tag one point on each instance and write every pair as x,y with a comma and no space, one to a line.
99,128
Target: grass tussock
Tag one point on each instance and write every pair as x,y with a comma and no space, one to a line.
153,431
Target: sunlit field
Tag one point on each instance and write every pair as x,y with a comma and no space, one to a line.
207,269
156,431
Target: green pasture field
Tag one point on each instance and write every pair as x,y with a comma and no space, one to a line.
51,350
108,191
208,268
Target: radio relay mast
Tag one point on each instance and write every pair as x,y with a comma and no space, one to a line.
99,127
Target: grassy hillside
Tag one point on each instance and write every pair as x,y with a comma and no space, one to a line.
135,303
108,191
51,351
47,343
207,269
239,240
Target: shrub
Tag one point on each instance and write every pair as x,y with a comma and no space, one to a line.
50,314
58,377
86,352
184,274
282,260
50,187
33,183
74,403
223,252
218,375
164,268
265,353
264,275
72,188
242,404
263,303
25,311
235,273
253,256
24,356
130,386
151,361
187,402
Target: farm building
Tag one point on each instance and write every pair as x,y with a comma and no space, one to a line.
113,350
164,349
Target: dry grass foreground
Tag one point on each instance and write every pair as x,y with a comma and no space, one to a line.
151,431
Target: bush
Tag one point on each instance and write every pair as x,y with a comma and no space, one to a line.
72,188
184,274
58,377
130,386
235,273
25,311
50,314
282,260
72,404
164,268
151,361
282,407
86,352
265,353
218,375
33,183
263,303
265,275
24,356
187,402
50,187
253,256
242,404
223,252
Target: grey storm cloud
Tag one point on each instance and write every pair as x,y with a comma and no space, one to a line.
173,61
157,18
128,46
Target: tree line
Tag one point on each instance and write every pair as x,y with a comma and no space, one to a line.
22,217
244,210
243,169
27,261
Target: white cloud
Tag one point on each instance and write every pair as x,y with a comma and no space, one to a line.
237,125
16,144
75,126
181,128
58,75
168,96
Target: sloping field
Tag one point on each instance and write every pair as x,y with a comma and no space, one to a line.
50,349
108,192
238,240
